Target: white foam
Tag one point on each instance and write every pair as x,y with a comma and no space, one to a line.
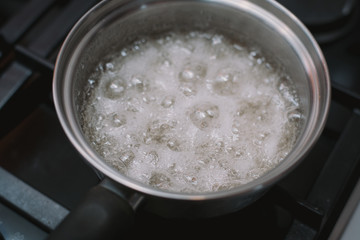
191,113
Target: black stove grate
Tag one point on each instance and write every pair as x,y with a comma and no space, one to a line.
37,159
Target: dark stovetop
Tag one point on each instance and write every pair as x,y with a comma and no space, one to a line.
42,177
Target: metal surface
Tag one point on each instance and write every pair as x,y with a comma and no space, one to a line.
347,226
30,201
14,226
267,24
12,81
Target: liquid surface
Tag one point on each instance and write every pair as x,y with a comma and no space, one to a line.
191,112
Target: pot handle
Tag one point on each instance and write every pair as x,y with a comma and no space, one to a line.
105,213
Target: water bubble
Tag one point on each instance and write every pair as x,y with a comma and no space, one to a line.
222,186
258,142
152,157
166,63
91,82
126,157
239,153
190,76
238,47
173,144
118,120
168,101
99,122
136,46
181,46
203,114
191,179
294,115
283,84
255,173
263,135
269,66
159,180
163,64
226,82
147,139
193,72
212,111
217,39
124,52
133,105
254,110
220,144
153,127
99,68
257,57
187,75
156,132
188,89
235,130
109,66
148,99
139,82
114,88
164,127
219,147
285,87
262,114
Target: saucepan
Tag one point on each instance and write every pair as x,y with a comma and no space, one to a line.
111,206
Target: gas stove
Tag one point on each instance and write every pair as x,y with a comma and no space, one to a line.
42,177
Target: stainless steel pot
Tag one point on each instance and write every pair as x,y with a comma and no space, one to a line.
112,24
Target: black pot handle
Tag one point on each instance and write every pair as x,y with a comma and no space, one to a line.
103,214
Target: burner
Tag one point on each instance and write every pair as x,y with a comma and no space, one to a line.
328,20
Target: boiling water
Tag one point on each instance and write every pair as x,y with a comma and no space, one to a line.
191,112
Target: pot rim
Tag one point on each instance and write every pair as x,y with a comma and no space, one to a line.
64,111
